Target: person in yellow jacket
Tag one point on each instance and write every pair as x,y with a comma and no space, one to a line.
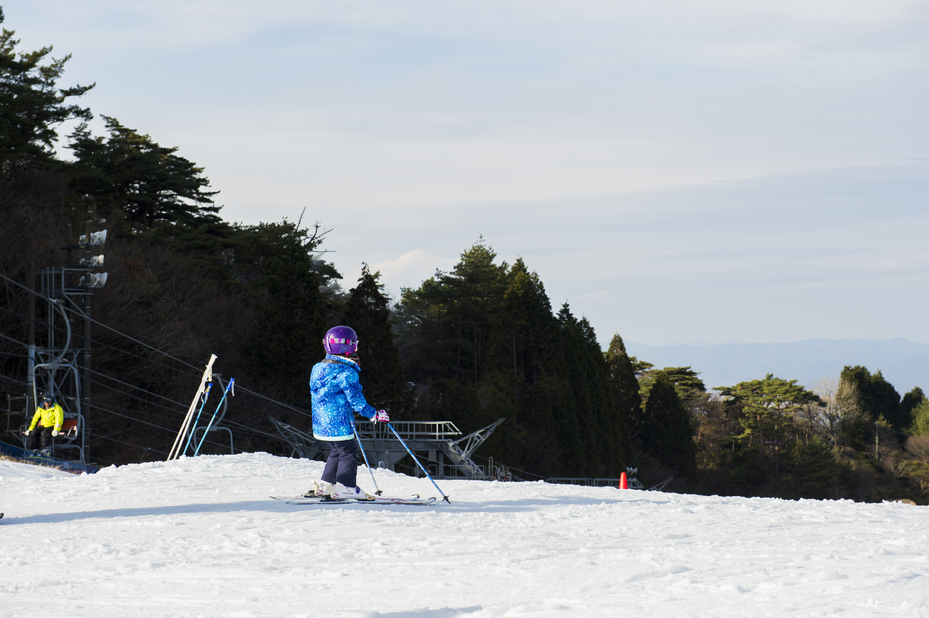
46,422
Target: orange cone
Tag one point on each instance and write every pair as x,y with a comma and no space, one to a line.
623,483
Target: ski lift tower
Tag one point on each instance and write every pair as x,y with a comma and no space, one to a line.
62,367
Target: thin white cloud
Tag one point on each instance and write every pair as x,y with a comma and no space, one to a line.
596,296
723,161
411,268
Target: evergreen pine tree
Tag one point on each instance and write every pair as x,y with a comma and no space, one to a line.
290,309
667,433
588,420
625,387
491,327
873,399
768,411
367,312
886,401
523,329
31,105
920,424
907,407
574,419
688,386
814,470
462,306
131,174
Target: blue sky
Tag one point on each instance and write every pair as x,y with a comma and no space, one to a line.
675,171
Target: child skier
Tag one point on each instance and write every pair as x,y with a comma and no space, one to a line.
337,396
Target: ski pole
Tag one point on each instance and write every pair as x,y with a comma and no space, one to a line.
357,437
226,392
206,395
444,497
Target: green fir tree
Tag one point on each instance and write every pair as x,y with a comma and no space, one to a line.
32,106
367,312
146,183
667,434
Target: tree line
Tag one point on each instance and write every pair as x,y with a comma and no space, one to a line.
183,283
848,437
471,345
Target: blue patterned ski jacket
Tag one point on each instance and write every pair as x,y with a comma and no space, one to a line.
336,395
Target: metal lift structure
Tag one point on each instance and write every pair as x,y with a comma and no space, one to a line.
445,452
62,367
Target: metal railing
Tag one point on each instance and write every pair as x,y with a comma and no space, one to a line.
411,430
598,482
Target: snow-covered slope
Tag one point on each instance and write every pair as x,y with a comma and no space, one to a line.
199,537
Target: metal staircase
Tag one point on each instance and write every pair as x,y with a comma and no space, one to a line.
460,450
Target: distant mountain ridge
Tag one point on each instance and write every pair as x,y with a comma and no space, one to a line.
903,363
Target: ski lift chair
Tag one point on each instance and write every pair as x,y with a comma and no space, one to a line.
68,436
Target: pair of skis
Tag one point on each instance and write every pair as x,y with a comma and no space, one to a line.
377,498
413,500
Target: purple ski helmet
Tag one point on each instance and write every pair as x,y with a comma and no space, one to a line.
341,340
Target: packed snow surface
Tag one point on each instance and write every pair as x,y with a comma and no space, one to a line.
200,537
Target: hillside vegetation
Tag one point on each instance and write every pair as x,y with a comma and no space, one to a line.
471,345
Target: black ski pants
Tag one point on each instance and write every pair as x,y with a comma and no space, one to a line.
341,465
39,434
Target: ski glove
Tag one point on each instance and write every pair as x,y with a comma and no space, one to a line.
381,416
54,432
